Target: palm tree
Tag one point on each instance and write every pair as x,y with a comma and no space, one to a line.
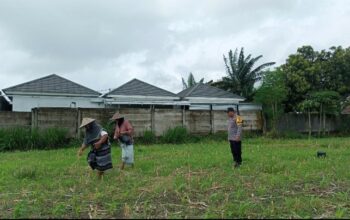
190,81
241,74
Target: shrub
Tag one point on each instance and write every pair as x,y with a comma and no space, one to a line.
14,138
176,135
293,135
52,138
218,136
285,134
148,137
252,134
344,125
27,139
272,134
109,126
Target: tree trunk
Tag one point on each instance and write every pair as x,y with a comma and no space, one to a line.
310,129
264,122
273,117
324,123
320,124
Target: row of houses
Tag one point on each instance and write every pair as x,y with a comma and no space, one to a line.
58,92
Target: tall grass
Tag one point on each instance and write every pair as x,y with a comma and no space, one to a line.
176,135
26,139
148,137
278,179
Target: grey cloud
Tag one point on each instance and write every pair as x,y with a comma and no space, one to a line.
157,41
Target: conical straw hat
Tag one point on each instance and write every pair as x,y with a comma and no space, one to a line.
86,121
116,116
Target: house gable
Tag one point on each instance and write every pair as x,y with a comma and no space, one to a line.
137,87
51,85
207,91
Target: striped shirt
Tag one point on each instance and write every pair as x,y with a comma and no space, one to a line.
234,130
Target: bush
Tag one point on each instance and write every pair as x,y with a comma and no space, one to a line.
285,134
148,137
14,138
344,125
53,138
176,135
108,126
218,136
27,139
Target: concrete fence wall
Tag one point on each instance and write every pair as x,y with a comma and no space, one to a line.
300,122
14,119
142,119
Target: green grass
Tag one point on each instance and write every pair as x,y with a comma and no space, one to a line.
278,179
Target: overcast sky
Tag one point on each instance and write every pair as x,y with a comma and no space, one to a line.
103,44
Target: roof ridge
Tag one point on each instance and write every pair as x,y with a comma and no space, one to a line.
191,90
143,82
218,89
155,86
51,76
30,81
76,83
119,87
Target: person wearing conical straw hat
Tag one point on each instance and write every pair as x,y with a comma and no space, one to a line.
123,133
99,157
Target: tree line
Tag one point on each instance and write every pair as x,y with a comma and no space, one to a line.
308,81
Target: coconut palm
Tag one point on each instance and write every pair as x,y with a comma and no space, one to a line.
241,73
190,81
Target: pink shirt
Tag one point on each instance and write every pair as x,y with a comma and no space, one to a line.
124,128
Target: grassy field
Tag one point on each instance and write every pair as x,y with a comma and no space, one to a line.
278,179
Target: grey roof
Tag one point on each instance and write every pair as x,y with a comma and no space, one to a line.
138,87
53,84
204,90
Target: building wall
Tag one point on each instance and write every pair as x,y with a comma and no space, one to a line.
26,103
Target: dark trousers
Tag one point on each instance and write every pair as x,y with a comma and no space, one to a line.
236,150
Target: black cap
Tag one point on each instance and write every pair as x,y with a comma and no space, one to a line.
230,109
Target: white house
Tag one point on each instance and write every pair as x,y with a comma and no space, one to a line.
51,91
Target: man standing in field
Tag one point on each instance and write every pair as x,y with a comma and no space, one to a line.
124,132
234,130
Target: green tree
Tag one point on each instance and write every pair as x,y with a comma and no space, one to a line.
190,81
309,105
328,102
338,69
241,73
308,71
271,94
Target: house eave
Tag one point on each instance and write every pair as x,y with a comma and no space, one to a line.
49,94
5,97
138,102
139,97
212,100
